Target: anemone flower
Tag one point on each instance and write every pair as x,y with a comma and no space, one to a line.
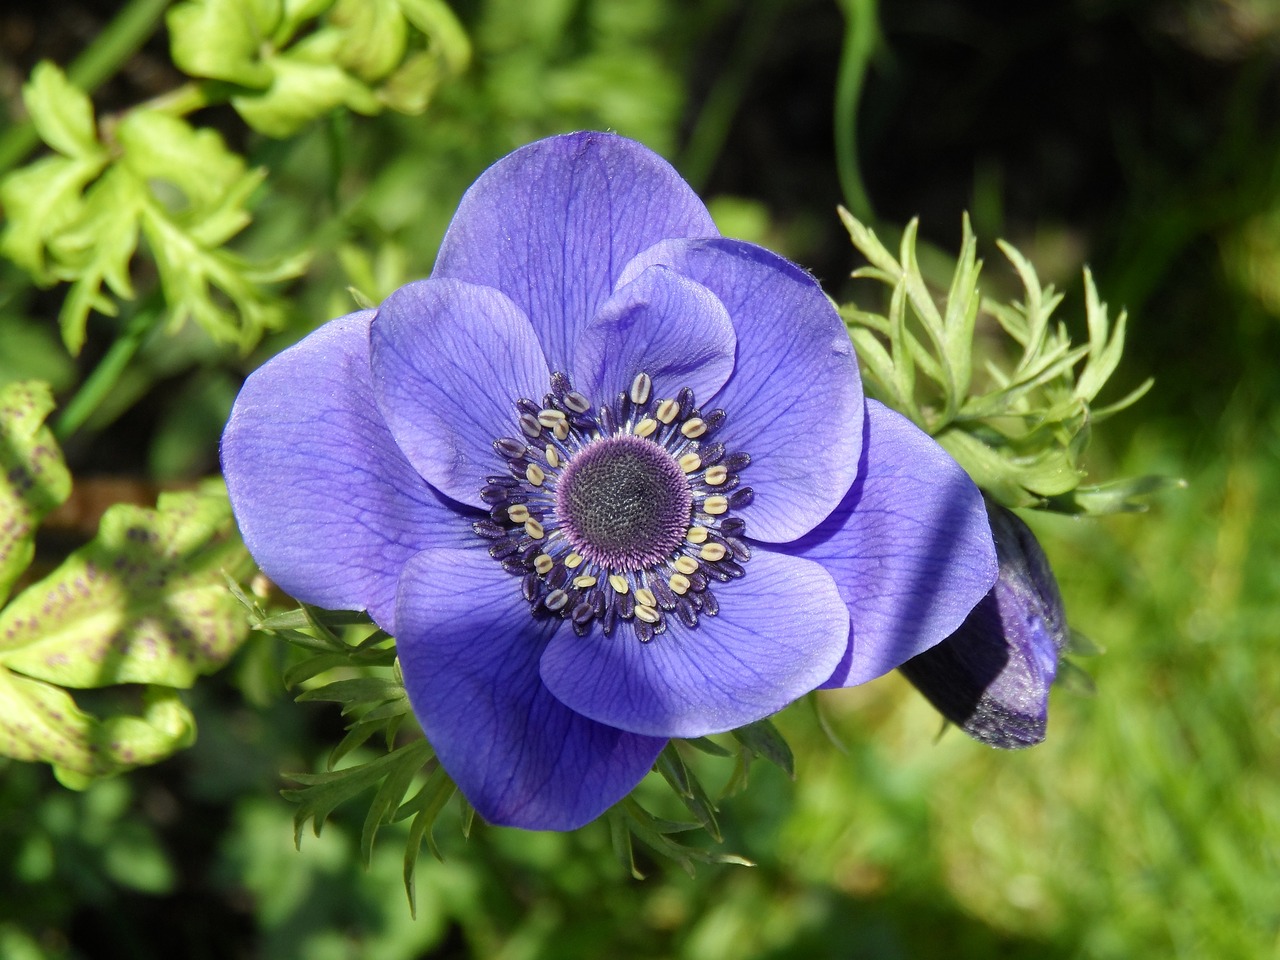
608,478
992,676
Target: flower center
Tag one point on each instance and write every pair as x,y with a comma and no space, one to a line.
624,502
618,513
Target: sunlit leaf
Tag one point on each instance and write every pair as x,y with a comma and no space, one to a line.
144,602
33,477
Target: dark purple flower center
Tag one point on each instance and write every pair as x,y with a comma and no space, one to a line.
623,512
624,502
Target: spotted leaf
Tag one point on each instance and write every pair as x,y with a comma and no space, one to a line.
33,476
144,602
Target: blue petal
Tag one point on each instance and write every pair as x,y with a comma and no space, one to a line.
449,361
779,632
469,651
992,676
328,505
671,328
795,389
909,547
552,225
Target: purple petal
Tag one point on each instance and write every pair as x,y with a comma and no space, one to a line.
328,505
671,328
795,393
449,361
780,631
909,547
552,225
469,650
992,676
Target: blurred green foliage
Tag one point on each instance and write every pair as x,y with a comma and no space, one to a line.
1139,137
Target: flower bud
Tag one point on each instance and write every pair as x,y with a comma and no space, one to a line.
992,676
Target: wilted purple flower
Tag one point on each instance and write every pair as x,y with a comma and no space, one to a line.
992,676
608,477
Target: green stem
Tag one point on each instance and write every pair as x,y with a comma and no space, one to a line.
860,37
107,373
109,51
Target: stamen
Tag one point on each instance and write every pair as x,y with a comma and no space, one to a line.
640,387
553,456
696,535
573,561
534,474
556,600
584,581
549,418
712,552
647,613
619,583
693,428
543,563
645,597
576,402
716,475
645,427
518,513
690,462
679,583
534,529
715,505
668,410
686,564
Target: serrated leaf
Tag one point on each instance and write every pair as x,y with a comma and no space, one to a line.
40,200
447,37
1118,496
321,793
390,796
143,602
688,788
40,722
300,92
356,690
96,249
61,113
763,739
989,470
425,806
33,476
655,833
374,37
224,39
161,150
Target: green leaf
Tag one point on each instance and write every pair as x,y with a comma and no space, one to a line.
61,113
40,722
96,249
300,92
144,602
43,197
1119,496
425,806
321,793
39,200
445,33
224,39
374,37
33,476
688,788
763,739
